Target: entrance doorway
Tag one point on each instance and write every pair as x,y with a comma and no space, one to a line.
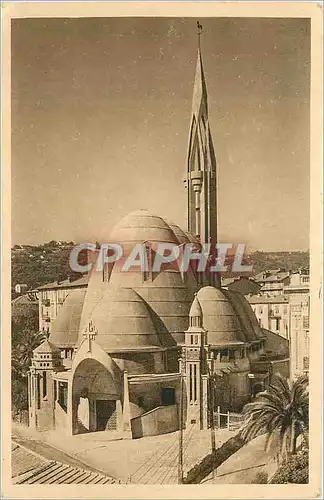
106,415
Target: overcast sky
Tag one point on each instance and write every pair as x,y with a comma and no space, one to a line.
100,123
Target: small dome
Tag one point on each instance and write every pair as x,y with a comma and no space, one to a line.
46,347
180,234
123,322
141,226
66,325
192,238
236,300
248,313
219,318
195,309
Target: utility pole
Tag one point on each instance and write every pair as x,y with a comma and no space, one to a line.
212,427
211,399
180,458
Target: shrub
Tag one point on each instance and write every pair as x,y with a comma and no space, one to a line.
260,478
293,470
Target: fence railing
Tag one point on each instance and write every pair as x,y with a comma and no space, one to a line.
230,420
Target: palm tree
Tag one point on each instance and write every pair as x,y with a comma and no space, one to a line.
281,412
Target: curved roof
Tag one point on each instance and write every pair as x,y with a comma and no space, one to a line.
168,294
248,312
123,322
182,237
66,325
192,238
236,300
141,226
219,318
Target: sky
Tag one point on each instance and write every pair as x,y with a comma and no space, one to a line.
100,124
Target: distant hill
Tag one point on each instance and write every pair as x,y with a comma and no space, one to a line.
38,265
289,261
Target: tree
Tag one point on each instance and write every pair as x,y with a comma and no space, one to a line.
22,350
25,337
281,412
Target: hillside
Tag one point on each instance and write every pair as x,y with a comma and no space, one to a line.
38,265
262,261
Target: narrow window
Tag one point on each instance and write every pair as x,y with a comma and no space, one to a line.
195,383
44,384
190,383
38,391
147,275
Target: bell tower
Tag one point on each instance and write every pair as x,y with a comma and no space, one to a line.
194,367
201,167
46,361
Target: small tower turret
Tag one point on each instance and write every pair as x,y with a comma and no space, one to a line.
46,361
194,356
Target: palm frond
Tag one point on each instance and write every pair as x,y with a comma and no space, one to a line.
281,411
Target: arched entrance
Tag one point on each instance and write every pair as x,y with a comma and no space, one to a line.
96,404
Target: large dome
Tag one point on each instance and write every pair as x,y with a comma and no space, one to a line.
219,318
123,322
141,226
66,325
167,293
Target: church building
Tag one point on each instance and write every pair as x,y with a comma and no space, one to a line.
141,343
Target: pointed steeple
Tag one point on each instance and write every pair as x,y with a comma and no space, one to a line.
199,100
201,163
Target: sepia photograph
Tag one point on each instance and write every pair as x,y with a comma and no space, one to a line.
161,247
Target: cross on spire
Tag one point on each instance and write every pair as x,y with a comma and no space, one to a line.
90,333
199,32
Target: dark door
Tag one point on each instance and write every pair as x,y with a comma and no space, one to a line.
168,396
106,415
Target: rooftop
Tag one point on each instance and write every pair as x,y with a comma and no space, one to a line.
81,282
272,275
27,299
30,468
263,299
46,347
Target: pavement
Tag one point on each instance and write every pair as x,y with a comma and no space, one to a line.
149,460
245,464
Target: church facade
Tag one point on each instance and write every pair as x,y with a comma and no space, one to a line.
143,344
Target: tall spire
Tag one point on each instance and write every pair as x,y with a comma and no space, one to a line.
201,163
